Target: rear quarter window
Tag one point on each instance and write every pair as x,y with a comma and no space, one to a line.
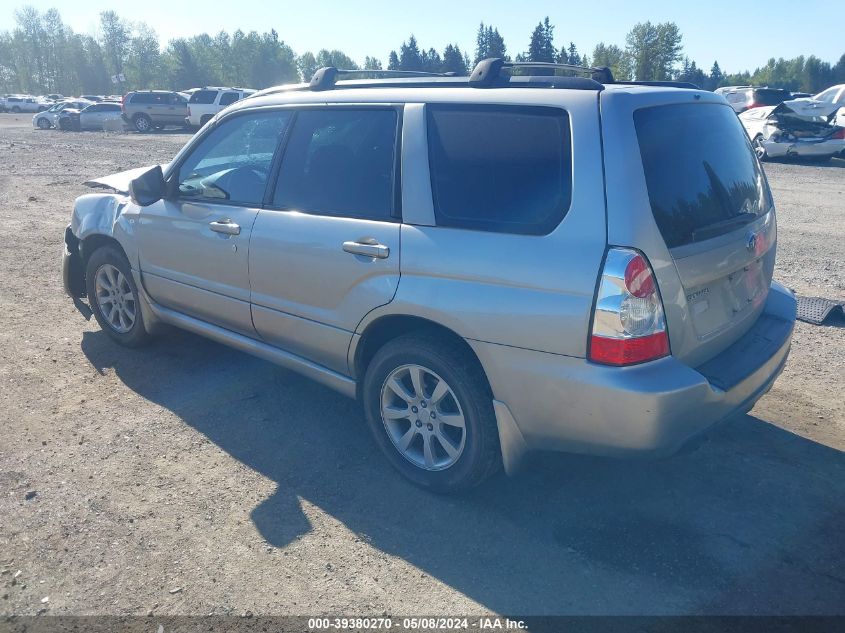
702,176
500,168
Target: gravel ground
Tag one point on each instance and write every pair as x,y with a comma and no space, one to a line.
188,478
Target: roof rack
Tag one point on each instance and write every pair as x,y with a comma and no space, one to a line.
487,72
326,77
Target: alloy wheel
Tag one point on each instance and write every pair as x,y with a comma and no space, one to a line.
115,298
422,417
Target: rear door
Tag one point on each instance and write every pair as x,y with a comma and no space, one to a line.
325,251
695,200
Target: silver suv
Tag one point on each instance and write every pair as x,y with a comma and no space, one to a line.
146,110
491,264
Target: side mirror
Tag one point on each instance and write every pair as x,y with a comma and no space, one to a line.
148,188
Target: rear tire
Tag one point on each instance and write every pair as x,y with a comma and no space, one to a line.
114,297
436,425
205,119
142,123
16,110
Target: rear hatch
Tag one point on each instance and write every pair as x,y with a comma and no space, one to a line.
704,217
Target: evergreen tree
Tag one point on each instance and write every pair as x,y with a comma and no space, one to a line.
393,61
541,47
410,57
372,63
453,60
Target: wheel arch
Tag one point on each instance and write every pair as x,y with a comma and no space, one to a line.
383,329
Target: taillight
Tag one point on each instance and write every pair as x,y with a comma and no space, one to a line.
628,322
755,105
189,110
839,134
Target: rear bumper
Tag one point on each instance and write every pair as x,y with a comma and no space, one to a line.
569,404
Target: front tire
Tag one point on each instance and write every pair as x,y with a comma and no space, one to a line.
430,409
114,297
142,123
759,149
43,124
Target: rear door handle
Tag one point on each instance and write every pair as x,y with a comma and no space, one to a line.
367,248
226,227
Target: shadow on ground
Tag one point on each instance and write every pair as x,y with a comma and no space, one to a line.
751,522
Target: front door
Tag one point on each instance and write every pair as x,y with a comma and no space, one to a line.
194,247
326,251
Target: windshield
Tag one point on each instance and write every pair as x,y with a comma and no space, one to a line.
702,176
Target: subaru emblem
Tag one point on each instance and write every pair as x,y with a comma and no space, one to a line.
751,242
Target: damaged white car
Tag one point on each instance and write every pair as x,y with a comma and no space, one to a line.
789,131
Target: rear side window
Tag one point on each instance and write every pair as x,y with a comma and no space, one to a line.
141,98
340,162
228,98
702,175
500,168
203,97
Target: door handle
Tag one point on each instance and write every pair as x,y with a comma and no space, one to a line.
367,248
226,227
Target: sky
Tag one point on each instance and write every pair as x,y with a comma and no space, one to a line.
739,34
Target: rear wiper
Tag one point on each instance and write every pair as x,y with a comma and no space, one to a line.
722,226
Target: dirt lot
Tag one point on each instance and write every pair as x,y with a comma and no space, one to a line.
188,478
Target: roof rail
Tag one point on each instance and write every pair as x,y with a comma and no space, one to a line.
487,72
325,78
662,84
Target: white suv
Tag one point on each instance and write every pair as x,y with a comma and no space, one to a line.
207,102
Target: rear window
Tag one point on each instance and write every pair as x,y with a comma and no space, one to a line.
702,175
500,168
770,97
203,96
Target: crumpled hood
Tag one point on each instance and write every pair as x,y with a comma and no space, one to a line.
119,181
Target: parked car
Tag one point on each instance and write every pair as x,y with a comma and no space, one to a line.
93,98
25,103
742,98
785,131
146,110
95,116
49,118
54,97
559,264
207,102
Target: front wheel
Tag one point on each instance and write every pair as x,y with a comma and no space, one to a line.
430,409
43,124
114,297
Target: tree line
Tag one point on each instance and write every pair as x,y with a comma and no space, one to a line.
42,55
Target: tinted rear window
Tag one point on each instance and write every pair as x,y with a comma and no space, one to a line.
702,175
770,97
500,168
203,96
